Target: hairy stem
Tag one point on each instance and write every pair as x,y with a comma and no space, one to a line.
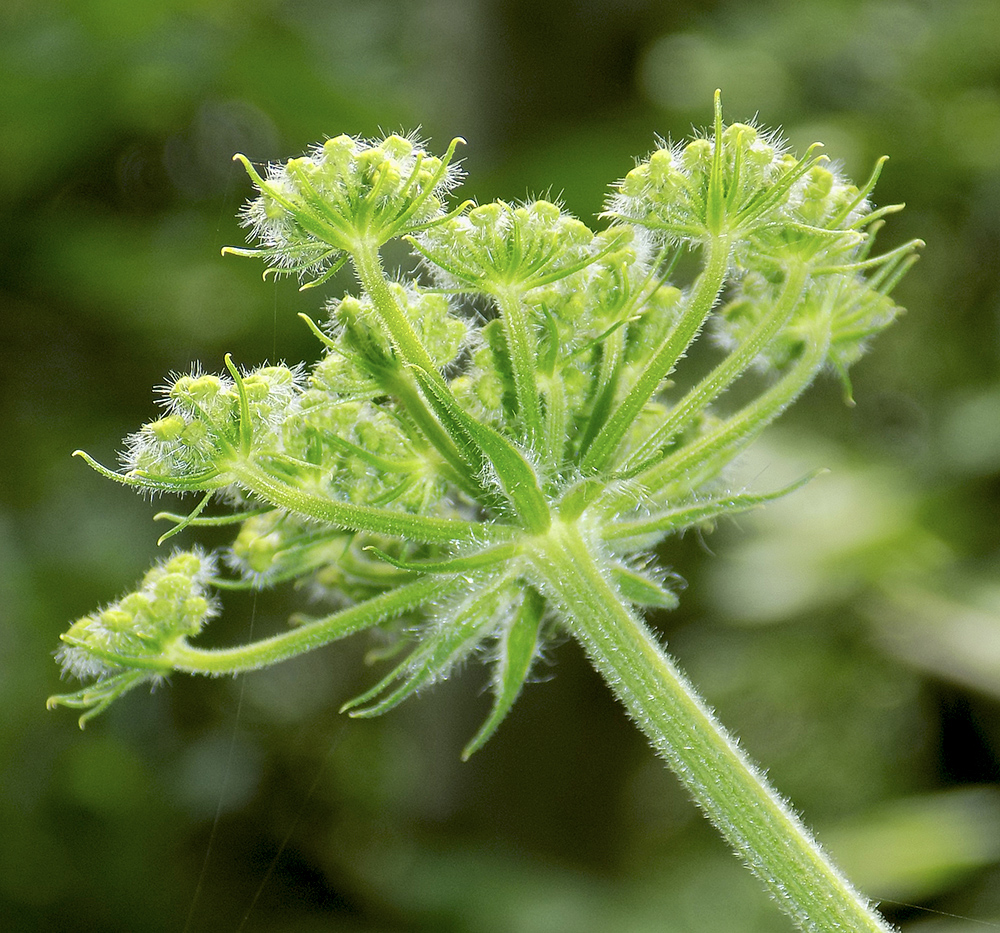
523,349
678,474
259,654
717,381
368,266
729,788
702,299
347,515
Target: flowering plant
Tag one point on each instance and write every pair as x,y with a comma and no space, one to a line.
478,481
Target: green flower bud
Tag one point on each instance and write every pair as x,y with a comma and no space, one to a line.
696,158
315,209
204,430
501,246
166,429
734,182
360,333
116,620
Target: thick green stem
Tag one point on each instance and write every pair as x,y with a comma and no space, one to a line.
700,303
729,788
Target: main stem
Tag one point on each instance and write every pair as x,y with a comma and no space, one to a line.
730,789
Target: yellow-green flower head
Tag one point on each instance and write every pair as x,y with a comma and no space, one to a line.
313,210
362,454
822,221
737,179
727,185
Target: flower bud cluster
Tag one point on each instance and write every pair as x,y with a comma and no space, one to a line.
670,192
501,246
454,464
821,224
278,545
857,311
606,292
313,209
205,419
845,304
823,198
362,453
486,387
170,604
366,455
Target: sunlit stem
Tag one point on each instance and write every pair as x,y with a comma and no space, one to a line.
522,345
554,440
607,382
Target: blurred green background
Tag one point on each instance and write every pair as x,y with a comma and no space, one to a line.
850,634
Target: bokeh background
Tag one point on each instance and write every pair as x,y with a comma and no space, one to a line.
850,634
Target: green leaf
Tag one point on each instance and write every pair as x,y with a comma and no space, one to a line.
642,590
518,648
516,477
697,512
97,697
455,635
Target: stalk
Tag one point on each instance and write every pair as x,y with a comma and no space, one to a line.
554,438
368,266
347,515
701,301
522,347
734,794
693,464
716,382
269,651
